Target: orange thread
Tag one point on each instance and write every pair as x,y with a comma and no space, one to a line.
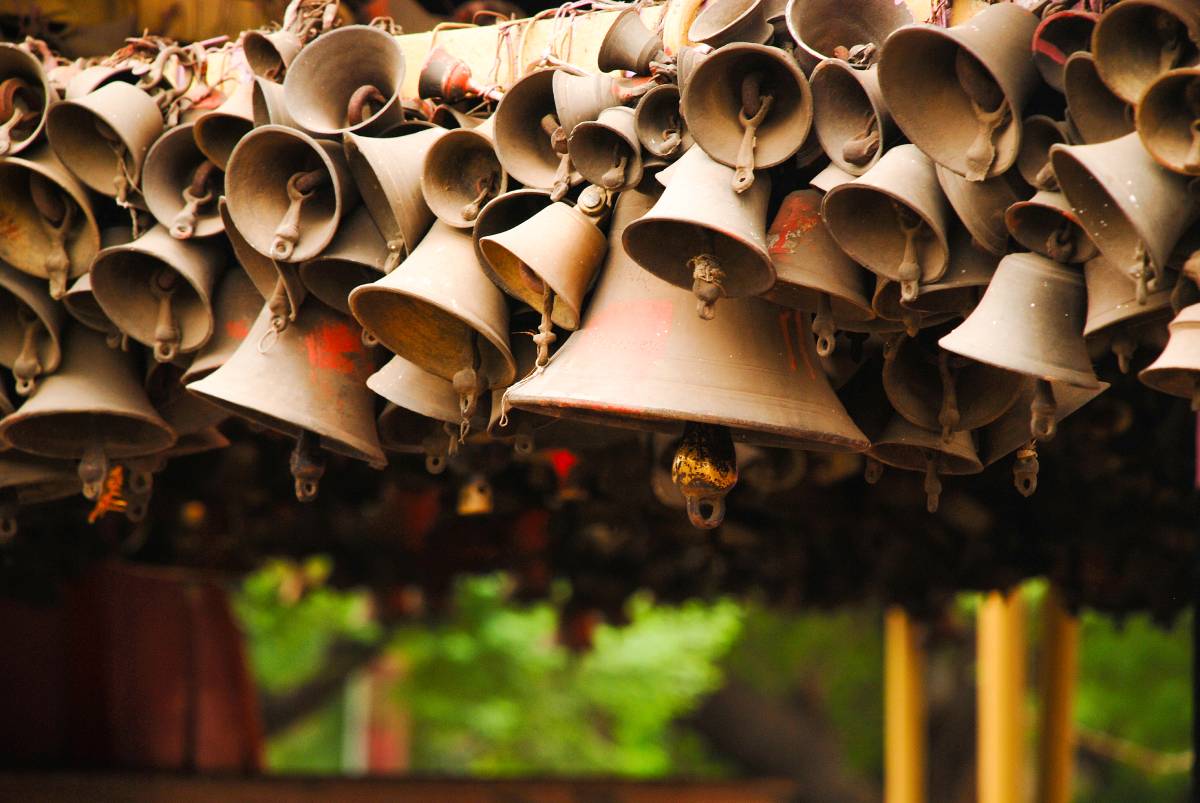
111,499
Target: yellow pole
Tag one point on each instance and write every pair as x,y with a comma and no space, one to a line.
1060,662
904,710
1000,670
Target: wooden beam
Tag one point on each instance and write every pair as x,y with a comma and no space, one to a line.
1000,697
904,710
1060,663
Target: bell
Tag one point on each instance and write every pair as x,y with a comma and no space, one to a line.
1133,210
356,256
854,30
30,323
893,219
310,385
347,79
893,316
158,290
958,291
92,409
262,270
1030,321
103,137
181,185
1047,225
530,142
1057,37
1166,120
579,98
287,192
406,432
981,205
235,307
606,151
218,132
29,480
746,138
89,79
442,313
1133,45
27,96
268,106
1033,160
704,236
49,228
724,22
1176,372
687,59
630,45
461,174
448,77
1097,114
269,54
506,212
905,446
813,274
1113,311
957,93
186,413
831,176
850,118
659,122
388,175
80,302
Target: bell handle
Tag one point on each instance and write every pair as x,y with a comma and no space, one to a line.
1043,412
705,511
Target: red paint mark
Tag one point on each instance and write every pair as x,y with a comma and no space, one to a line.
799,214
638,328
1050,50
784,319
562,461
334,346
237,329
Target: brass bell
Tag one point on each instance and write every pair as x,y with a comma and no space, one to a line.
630,45
851,29
1166,120
269,54
387,172
218,132
606,151
357,255
158,290
1047,225
687,59
1133,210
981,74
894,315
813,274
1057,37
28,95
50,231
893,219
80,302
911,448
89,79
660,125
1134,44
981,205
1176,372
724,22
1039,132
1030,321
235,307
103,137
1097,114
958,291
287,192
716,248
850,118
347,79
310,385
30,326
186,413
531,143
448,77
462,173
444,314
506,212
1113,311
749,107
268,106
93,409
263,271
579,98
181,185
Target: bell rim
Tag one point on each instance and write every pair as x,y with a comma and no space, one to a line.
508,150
640,122
958,191
911,457
207,224
273,39
398,212
1032,366
606,59
633,172
1016,214
1157,307
878,111
1047,22
161,436
835,195
507,197
207,121
743,25
1108,21
811,51
1149,141
49,97
1090,134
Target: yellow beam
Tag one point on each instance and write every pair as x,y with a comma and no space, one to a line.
904,710
1060,662
1000,698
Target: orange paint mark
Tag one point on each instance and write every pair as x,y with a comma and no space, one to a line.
799,214
237,329
335,347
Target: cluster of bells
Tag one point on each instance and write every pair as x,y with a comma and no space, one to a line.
296,221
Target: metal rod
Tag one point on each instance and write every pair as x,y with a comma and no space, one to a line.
904,710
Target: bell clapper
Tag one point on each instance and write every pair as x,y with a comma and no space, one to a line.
990,110
469,385
614,177
284,303
57,214
823,326
93,470
545,336
197,194
1123,346
1045,178
948,417
705,470
167,334
1043,409
558,143
933,483
436,451
873,471
300,187
909,272
1025,469
11,115
753,111
862,147
364,99
1142,273
485,187
307,465
707,284
27,367
1060,245
672,135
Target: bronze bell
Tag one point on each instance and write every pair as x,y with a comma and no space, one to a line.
579,98
186,413
1177,370
724,22
1166,120
606,151
235,307
506,212
717,248
461,173
262,270
28,96
444,314
267,104
1128,205
158,290
387,172
659,122
1113,311
1039,132
958,291
630,45
851,29
50,231
287,192
530,141
80,302
103,137
981,205
687,59
1058,36
1097,114
982,75
347,79
448,77
906,446
218,132
1047,225
270,53
93,409
850,118
30,323
1030,321
309,385
893,315
748,106
181,185
813,274
893,219
357,255
1142,39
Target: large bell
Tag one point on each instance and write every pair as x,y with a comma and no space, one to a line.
606,151
957,93
660,125
716,99
850,118
103,137
851,29
893,219
981,205
347,79
388,175
1177,370
443,313
630,45
1142,39
49,228
906,446
530,141
267,104
1058,36
1114,314
28,95
704,236
287,192
724,22
235,307
1097,114
270,53
92,409
218,131
181,185
357,255
158,290
1134,211
1047,225
1039,133
30,323
1166,120
309,385
461,173
506,212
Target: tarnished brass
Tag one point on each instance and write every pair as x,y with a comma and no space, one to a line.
1097,114
1167,120
724,22
630,45
906,446
1057,37
269,53
849,29
981,205
181,185
1047,225
606,151
850,117
1177,370
235,307
218,132
461,173
29,480
1114,314
80,302
29,95
660,125
506,212
186,413
30,326
262,270
530,141
1039,133
357,255
1141,39
704,470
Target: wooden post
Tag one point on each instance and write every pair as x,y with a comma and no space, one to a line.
904,710
1060,662
1000,700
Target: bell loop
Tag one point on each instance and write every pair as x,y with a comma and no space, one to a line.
1025,469
909,272
743,173
1123,347
704,470
93,471
707,284
27,367
1043,411
300,188
196,195
307,465
823,326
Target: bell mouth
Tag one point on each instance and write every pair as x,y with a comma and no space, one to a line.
1129,64
25,245
1097,114
84,308
1066,32
397,207
1032,224
73,130
168,170
720,20
502,213
331,280
66,434
656,113
521,145
125,280
855,213
1163,125
269,54
914,457
593,146
842,108
218,133
456,168
664,247
819,28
